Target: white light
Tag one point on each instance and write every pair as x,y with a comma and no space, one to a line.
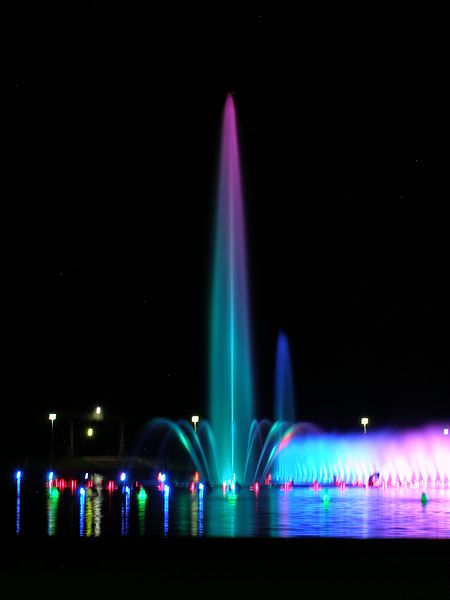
122,476
98,410
195,419
364,421
446,431
90,432
52,416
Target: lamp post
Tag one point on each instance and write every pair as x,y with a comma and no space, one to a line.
364,423
195,420
52,417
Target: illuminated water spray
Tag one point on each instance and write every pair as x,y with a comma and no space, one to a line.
231,407
284,386
284,401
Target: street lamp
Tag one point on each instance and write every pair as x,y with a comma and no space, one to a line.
364,423
195,420
90,432
52,417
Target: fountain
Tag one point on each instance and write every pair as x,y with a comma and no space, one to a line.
232,445
231,409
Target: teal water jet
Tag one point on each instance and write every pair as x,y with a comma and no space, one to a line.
231,402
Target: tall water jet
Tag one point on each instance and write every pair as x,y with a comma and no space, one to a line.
231,403
284,386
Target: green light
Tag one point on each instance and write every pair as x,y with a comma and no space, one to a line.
142,494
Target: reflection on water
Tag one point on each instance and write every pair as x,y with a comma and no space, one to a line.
142,504
90,512
52,509
322,512
18,505
166,509
125,513
196,513
200,512
82,510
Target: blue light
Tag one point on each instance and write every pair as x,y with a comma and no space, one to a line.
18,474
50,476
123,476
166,489
82,491
201,487
125,490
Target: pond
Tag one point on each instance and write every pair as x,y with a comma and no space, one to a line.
68,509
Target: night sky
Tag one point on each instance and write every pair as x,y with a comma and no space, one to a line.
110,131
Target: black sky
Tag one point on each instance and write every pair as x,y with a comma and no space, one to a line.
110,132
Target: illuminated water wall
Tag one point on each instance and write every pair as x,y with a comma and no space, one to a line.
230,393
419,457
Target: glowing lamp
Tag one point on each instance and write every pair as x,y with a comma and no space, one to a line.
52,417
123,476
98,410
18,474
446,431
195,419
364,423
90,432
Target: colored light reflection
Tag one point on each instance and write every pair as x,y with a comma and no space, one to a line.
18,504
166,510
52,509
142,505
125,511
82,511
